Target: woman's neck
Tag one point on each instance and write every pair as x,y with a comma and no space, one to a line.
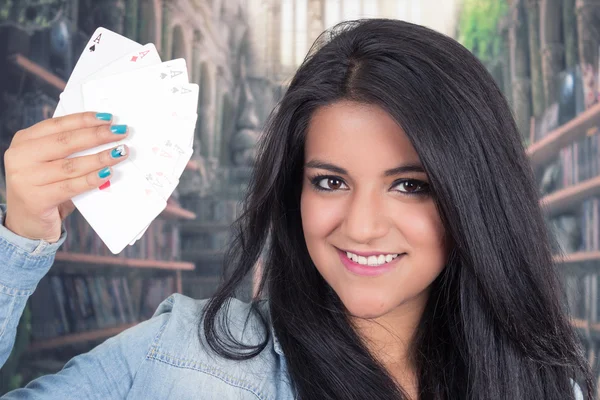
389,339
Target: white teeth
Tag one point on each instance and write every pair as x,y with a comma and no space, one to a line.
351,256
372,261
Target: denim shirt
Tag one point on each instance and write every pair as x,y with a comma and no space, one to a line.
161,358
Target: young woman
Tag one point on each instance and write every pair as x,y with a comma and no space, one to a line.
405,252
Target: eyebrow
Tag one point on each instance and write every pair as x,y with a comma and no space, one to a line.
401,169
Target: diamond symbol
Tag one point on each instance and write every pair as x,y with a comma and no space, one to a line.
134,58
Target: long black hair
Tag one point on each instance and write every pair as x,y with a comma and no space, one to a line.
495,325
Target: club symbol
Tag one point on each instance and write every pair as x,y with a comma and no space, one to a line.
93,47
163,75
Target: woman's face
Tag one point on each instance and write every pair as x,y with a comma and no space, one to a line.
370,223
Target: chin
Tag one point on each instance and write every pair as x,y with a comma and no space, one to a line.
367,306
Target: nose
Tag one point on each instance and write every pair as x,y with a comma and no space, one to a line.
365,219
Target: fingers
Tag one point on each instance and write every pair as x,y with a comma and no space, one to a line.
63,124
60,170
62,191
63,144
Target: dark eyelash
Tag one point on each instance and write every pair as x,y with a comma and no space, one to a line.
424,191
317,178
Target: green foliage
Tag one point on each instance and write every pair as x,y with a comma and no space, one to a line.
478,27
5,10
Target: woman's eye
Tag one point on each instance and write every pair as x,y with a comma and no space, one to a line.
412,186
331,183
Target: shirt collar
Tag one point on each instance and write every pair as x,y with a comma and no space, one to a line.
276,345
267,312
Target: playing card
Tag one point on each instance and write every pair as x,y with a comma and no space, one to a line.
170,153
72,99
118,212
103,48
123,87
162,158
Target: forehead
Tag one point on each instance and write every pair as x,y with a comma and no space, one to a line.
347,131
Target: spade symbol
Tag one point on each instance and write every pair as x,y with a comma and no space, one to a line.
163,75
93,47
174,90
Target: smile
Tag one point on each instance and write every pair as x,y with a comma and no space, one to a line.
372,261
369,265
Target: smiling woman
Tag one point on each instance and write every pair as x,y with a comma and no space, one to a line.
408,257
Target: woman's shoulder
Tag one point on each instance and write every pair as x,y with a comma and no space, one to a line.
182,340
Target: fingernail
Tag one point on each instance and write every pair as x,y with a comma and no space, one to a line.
118,151
104,172
104,116
118,129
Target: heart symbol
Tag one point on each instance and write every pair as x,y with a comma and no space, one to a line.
148,192
155,150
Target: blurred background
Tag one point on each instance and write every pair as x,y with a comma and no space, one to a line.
542,53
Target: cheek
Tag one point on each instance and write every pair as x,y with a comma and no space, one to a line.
424,232
320,215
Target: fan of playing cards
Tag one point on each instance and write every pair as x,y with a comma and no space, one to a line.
158,104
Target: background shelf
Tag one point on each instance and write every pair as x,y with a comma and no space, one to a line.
83,259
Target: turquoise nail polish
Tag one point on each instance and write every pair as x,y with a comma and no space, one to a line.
118,129
104,116
118,151
104,172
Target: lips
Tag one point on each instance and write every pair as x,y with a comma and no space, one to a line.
368,270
